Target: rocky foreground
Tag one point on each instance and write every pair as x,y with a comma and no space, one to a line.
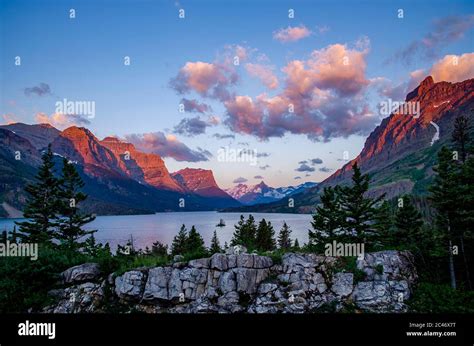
246,283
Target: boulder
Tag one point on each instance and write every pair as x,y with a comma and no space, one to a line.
81,273
130,285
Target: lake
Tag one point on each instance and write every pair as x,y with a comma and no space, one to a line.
164,226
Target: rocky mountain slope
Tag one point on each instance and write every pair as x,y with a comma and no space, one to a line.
262,193
245,283
119,179
400,153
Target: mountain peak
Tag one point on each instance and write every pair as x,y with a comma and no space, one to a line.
421,89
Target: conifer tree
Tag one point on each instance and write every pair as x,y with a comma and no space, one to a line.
265,236
245,233
445,195
43,204
358,211
179,244
408,224
384,224
215,245
195,243
461,136
327,221
284,240
159,249
72,220
296,245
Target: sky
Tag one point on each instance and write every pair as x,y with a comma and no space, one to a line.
296,96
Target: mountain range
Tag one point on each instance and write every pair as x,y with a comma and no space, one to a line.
262,193
119,178
400,153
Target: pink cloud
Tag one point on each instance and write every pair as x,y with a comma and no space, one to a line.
9,119
291,34
453,68
264,73
61,121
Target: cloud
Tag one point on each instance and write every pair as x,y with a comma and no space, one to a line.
263,154
444,31
316,161
453,68
307,175
263,168
40,90
264,73
206,79
191,127
304,168
60,120
167,146
195,106
325,169
240,180
219,136
291,34
9,119
297,178
258,177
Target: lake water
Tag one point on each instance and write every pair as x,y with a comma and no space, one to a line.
164,226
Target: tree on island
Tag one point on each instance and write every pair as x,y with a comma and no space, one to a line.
284,240
43,204
72,220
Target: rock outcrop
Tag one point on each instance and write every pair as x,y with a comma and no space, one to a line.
229,283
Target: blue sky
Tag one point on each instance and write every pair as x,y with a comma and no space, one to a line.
83,59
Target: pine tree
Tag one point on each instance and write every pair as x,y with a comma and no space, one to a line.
159,249
408,224
265,236
460,136
237,238
91,247
4,238
245,233
178,247
326,221
72,220
384,224
195,243
284,240
13,236
43,204
215,245
296,245
445,195
358,211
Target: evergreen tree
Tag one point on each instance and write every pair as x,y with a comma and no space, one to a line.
179,245
4,238
245,233
195,243
384,224
284,240
326,221
445,195
72,220
358,211
265,236
296,246
159,249
13,236
408,224
91,247
215,245
460,136
43,204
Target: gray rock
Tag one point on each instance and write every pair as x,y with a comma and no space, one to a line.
246,280
81,273
227,282
236,250
219,262
245,261
262,262
130,285
342,284
200,263
178,258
